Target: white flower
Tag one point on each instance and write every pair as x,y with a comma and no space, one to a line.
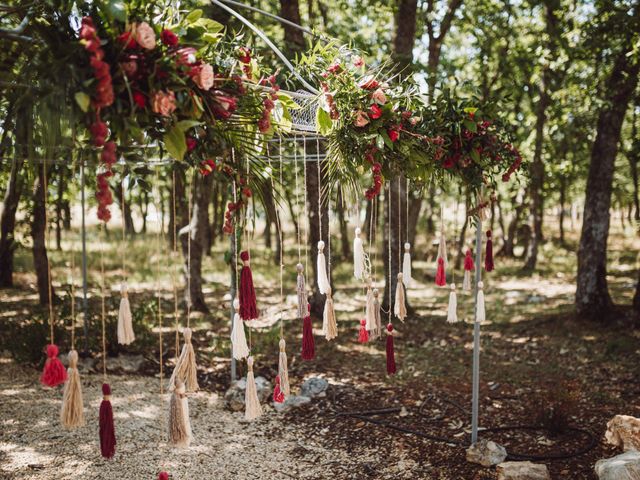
145,36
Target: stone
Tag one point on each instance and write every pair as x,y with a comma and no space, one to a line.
234,396
624,431
291,402
625,466
122,363
314,387
522,471
486,453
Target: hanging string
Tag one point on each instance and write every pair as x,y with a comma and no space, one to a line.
73,292
281,246
190,193
320,190
399,223
103,309
407,209
45,188
161,240
389,249
124,270
246,231
174,282
297,191
306,207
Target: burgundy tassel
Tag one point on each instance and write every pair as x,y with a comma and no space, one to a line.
163,476
391,358
308,343
441,277
107,429
54,373
488,259
469,266
248,307
363,335
278,394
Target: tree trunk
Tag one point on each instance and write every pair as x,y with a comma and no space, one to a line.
415,207
293,38
59,197
38,233
592,293
177,206
563,200
463,232
8,222
292,212
126,212
509,236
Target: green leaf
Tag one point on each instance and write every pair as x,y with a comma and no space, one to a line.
470,125
475,156
211,26
380,142
323,121
117,10
83,100
185,125
287,101
470,110
194,16
175,143
386,139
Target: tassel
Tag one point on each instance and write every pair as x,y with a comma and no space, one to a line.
480,313
301,289
179,424
163,476
107,429
186,369
377,332
363,335
308,342
441,276
125,322
283,371
488,259
452,314
252,403
391,357
238,338
358,257
72,411
406,265
369,315
469,266
329,324
54,373
400,306
323,280
248,307
442,246
278,395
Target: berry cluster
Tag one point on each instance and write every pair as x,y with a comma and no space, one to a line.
103,192
376,170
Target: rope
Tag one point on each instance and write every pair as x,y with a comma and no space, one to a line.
407,208
306,208
161,239
399,223
389,249
281,248
297,191
103,309
190,194
73,292
45,187
124,270
174,283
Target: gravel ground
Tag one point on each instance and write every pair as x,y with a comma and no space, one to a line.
33,445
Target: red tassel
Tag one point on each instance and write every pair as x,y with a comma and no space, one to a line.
278,395
107,429
308,343
391,357
248,307
468,262
363,335
163,476
54,373
441,277
488,259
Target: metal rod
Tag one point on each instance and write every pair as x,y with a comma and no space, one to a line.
475,398
85,321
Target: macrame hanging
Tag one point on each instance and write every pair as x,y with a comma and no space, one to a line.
329,323
377,315
125,320
363,334
323,279
452,308
406,258
369,314
488,259
469,267
480,313
441,277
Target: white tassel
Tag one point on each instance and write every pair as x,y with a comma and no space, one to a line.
329,323
377,332
125,321
323,280
452,313
442,246
406,265
251,402
301,290
283,371
358,257
369,316
400,306
480,313
238,338
466,282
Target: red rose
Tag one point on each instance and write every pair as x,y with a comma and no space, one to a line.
394,134
169,38
207,166
369,83
127,40
191,144
375,112
244,54
139,99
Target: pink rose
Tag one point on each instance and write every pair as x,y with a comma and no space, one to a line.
379,97
204,76
361,119
358,61
186,56
163,103
145,36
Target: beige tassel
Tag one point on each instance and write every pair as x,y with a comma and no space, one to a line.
238,338
321,264
377,332
329,324
480,313
179,424
186,369
452,310
125,321
72,412
301,290
251,402
282,369
466,281
370,318
406,265
400,307
358,257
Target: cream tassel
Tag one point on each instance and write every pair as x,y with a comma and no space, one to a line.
442,246
358,257
125,322
301,289
72,411
370,318
480,313
452,311
466,281
179,423
282,369
400,307
186,368
323,280
377,332
238,338
251,402
329,324
406,265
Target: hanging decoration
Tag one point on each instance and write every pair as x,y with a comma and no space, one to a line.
308,342
469,267
391,357
278,394
252,404
488,259
329,323
238,338
163,476
452,309
400,306
480,313
72,411
369,314
441,277
359,267
363,334
377,314
301,290
283,372
248,307
406,265
323,279
179,424
186,369
125,320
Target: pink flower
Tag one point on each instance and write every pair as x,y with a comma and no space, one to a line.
191,143
224,106
127,39
369,83
145,36
361,119
203,76
335,68
379,97
244,54
186,56
169,38
358,61
163,103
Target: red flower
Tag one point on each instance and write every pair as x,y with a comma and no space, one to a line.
375,112
394,134
128,40
246,191
448,162
264,124
191,143
139,99
244,54
369,83
169,38
335,68
224,106
207,166
99,132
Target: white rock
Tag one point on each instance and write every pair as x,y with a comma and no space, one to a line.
486,453
624,431
234,397
522,471
293,401
625,466
314,387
